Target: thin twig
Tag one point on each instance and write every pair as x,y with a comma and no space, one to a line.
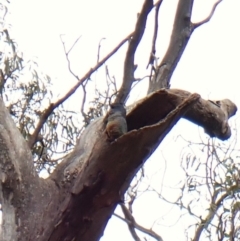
66,54
74,44
109,82
153,51
196,25
99,48
129,219
53,106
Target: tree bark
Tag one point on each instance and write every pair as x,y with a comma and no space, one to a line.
79,197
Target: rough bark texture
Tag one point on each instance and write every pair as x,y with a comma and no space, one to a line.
77,200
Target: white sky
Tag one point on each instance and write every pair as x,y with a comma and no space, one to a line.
209,66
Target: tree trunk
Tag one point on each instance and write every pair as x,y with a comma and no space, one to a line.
79,197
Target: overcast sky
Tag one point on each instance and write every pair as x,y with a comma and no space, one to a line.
209,66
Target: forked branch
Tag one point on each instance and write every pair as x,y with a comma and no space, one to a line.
134,40
181,33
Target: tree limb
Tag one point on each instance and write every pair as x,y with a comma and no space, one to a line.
182,30
153,51
181,33
196,25
129,68
130,220
207,114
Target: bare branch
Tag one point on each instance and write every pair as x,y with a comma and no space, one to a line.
153,51
129,68
99,47
131,222
181,33
129,219
205,222
222,189
135,39
73,45
196,25
67,53
32,140
182,30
